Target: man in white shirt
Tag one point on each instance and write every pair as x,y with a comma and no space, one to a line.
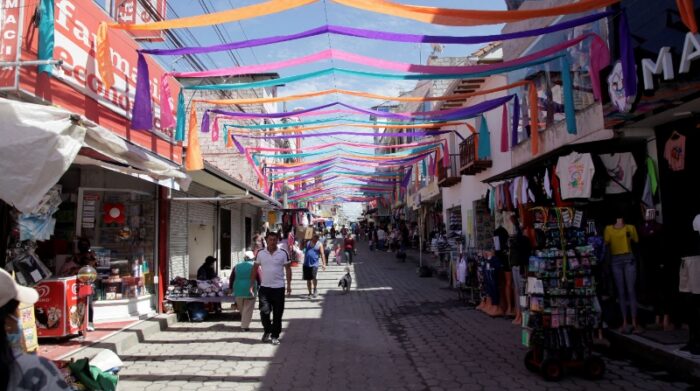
274,263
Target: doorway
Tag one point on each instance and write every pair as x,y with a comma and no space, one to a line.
200,244
247,233
225,240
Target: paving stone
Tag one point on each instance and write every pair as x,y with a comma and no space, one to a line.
393,331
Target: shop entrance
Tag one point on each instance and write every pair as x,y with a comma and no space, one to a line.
225,240
200,244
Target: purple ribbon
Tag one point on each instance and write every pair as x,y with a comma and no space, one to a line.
406,178
345,133
142,113
436,115
379,35
205,122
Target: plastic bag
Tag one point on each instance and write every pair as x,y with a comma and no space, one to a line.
92,377
27,266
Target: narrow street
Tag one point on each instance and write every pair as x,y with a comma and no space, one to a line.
393,331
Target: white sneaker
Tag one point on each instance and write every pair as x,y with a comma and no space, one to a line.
90,327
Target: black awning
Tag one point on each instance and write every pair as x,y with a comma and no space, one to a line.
548,159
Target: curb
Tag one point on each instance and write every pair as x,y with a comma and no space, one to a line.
657,354
127,338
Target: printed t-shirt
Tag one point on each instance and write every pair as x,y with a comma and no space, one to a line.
674,152
621,167
575,172
272,265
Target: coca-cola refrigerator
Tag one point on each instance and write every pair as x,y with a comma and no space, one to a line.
60,310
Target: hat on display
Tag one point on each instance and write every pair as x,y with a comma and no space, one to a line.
9,290
249,254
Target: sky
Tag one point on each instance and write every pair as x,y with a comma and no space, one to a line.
315,15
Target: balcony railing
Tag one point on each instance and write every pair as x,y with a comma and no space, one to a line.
448,176
470,164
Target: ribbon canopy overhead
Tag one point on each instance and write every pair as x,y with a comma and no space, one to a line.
342,171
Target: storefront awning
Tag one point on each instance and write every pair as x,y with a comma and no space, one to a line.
229,187
41,142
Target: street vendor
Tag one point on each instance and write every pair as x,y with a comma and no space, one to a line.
207,272
84,256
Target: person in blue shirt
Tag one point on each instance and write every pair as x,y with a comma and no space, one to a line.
314,253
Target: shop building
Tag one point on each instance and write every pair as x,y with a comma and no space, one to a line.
109,176
625,156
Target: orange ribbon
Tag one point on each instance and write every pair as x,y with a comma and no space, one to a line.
687,11
462,17
193,159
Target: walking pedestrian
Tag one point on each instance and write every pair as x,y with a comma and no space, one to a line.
240,287
349,248
314,252
18,370
272,262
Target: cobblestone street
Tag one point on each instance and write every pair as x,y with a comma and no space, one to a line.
394,330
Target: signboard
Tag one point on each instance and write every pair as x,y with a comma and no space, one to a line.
134,12
74,44
11,14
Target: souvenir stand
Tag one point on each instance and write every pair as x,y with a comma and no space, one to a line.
560,309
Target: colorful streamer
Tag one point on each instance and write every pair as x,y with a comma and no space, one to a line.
231,15
435,115
379,35
462,17
142,114
687,11
45,49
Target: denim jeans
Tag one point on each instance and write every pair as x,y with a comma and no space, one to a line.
271,301
348,256
624,269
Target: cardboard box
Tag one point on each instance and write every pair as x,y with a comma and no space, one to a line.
304,233
26,338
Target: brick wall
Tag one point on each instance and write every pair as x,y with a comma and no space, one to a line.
215,152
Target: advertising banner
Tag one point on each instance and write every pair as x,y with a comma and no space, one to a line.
58,311
75,25
11,16
134,12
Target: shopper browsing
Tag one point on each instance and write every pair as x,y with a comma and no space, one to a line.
314,253
272,262
240,286
18,370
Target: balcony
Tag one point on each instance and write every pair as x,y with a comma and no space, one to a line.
469,157
448,176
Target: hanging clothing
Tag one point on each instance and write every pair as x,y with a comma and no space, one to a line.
621,168
461,271
575,171
674,152
547,184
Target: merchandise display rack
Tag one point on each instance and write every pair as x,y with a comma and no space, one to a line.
560,309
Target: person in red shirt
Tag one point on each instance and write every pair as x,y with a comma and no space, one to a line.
349,248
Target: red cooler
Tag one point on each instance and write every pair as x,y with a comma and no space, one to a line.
59,312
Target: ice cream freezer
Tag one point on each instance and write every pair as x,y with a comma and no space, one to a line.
60,311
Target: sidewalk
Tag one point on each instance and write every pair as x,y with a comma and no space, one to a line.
663,355
644,348
115,336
